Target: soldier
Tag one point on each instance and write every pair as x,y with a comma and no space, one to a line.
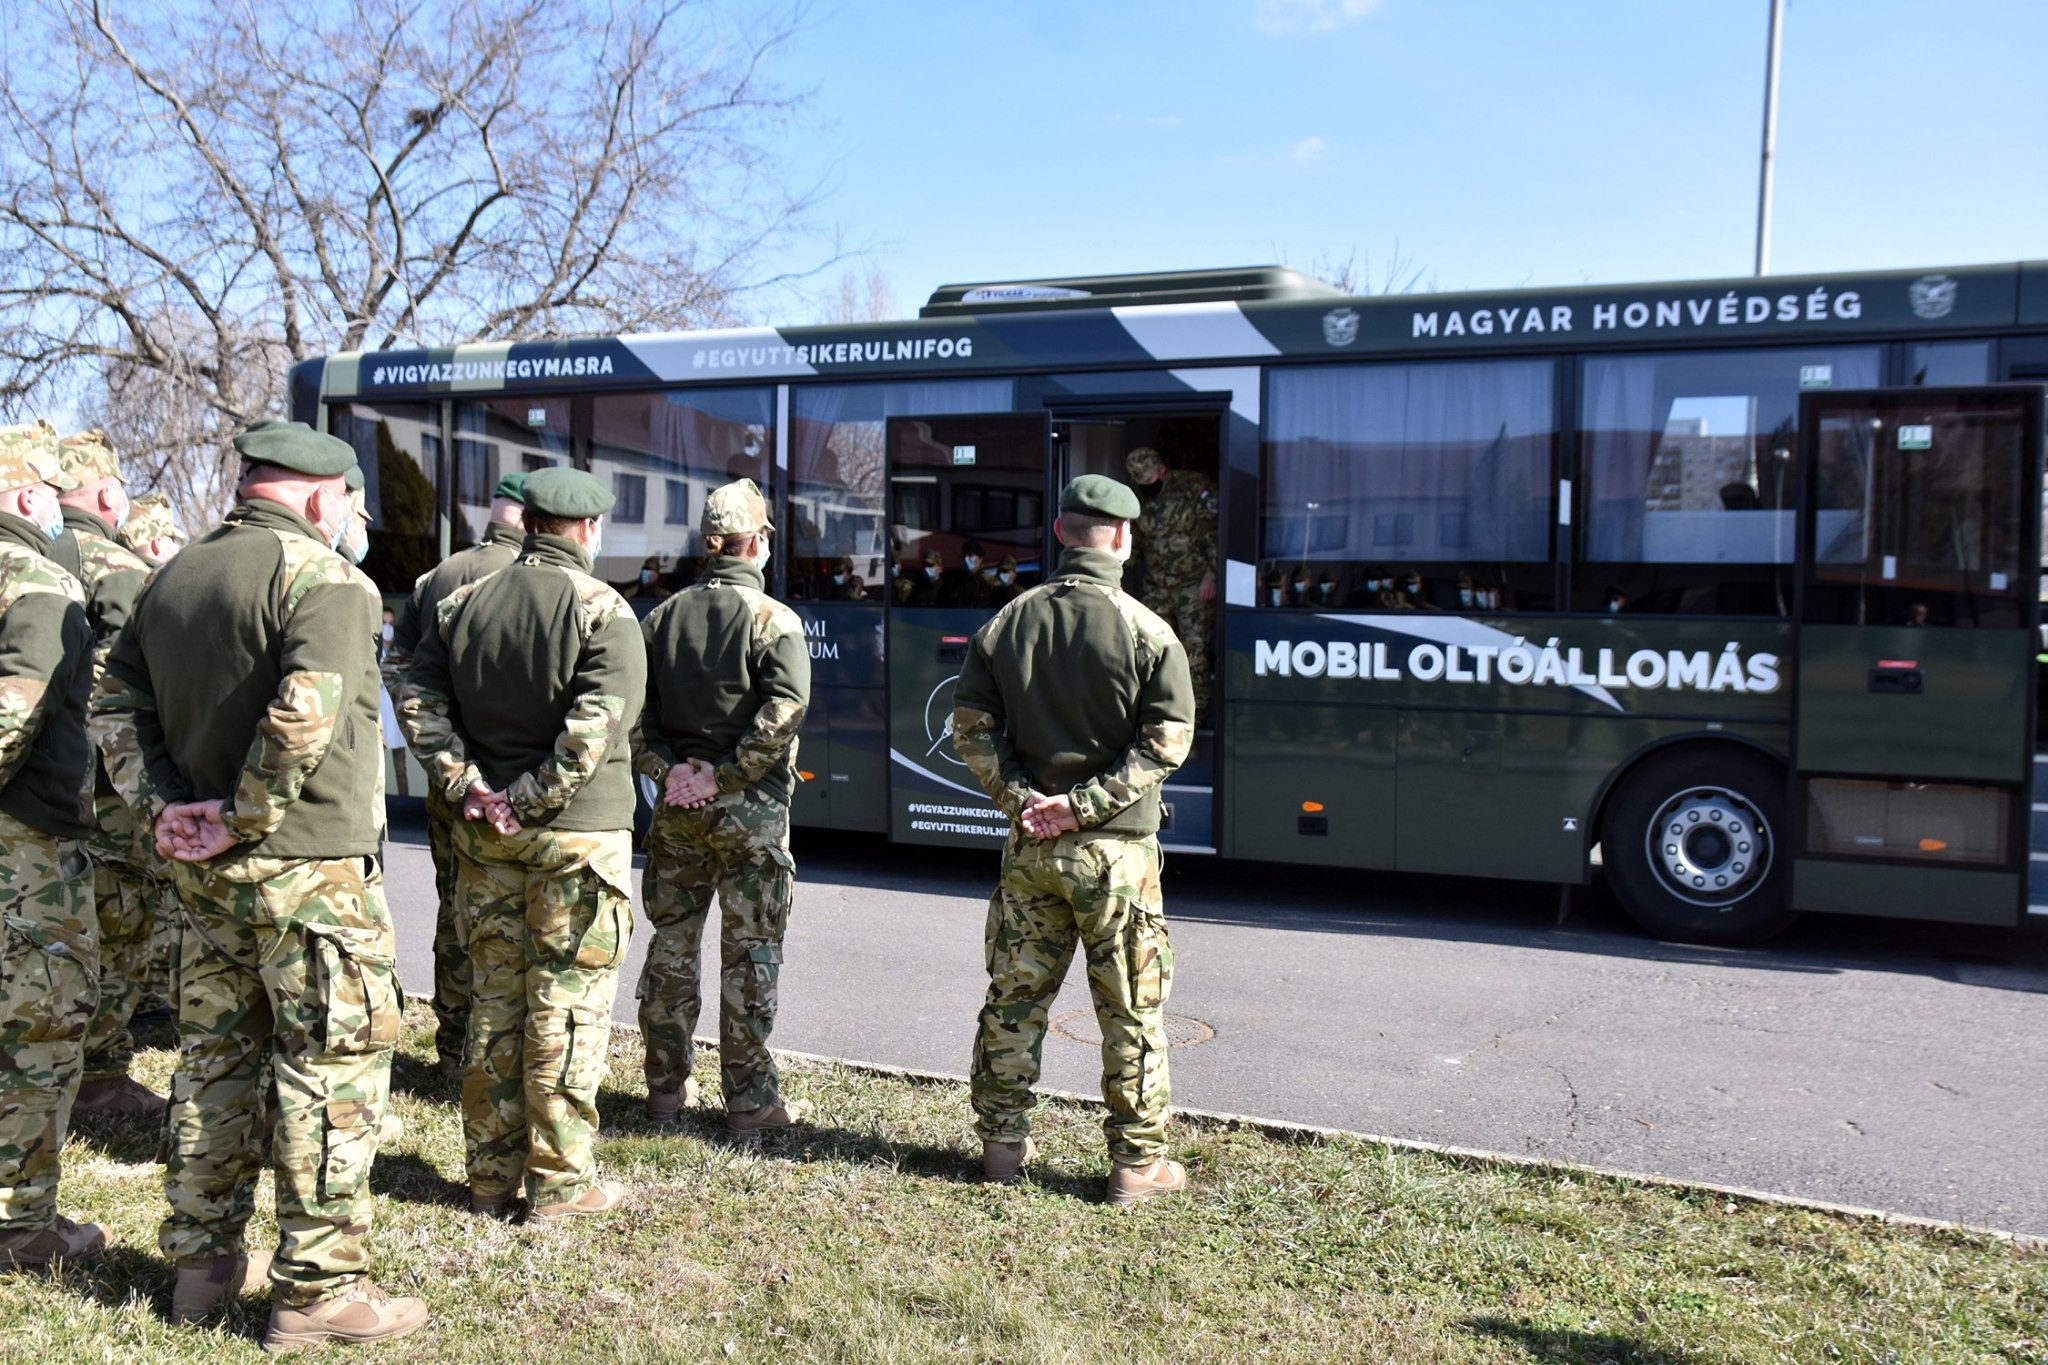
125,894
151,530
238,714
921,587
976,583
729,680
1006,581
521,701
500,545
49,952
846,584
1073,706
1177,541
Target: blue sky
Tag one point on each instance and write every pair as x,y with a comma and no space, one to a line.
1496,142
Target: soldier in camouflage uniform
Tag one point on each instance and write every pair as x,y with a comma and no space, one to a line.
151,530
49,952
238,714
1177,540
729,680
125,892
500,545
1072,708
521,702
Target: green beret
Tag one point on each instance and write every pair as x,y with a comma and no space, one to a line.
512,486
558,491
353,479
297,447
1097,495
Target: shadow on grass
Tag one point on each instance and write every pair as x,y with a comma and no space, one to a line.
625,1117
125,1273
409,1177
128,1138
1563,1346
422,1079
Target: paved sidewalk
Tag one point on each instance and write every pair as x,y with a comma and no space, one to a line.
1855,1061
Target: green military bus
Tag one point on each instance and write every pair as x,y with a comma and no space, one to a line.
1729,588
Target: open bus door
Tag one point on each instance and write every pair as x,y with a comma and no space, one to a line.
1913,712
959,487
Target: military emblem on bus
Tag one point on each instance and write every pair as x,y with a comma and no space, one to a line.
1933,296
938,722
1340,326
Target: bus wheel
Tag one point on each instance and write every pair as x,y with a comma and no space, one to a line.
1690,843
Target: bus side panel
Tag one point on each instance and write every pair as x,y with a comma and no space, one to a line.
1952,894
858,776
1312,784
844,744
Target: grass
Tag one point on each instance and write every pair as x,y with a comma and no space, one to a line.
866,1238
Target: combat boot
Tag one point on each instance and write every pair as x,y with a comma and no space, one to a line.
206,1284
602,1197
362,1312
117,1096
1003,1163
667,1106
748,1125
1136,1184
489,1205
62,1240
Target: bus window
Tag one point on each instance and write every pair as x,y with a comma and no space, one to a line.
499,436
837,536
398,446
1948,362
1687,469
661,454
961,487
1409,486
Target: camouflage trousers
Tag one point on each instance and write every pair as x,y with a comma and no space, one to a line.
549,914
451,932
1180,605
738,848
284,968
126,896
49,983
1101,892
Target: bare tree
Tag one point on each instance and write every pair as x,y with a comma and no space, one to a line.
193,199
861,297
1398,272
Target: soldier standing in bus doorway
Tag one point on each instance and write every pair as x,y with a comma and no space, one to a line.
728,683
1073,706
1177,541
50,951
500,545
521,700
124,893
238,714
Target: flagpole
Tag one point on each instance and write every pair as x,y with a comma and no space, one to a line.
1763,196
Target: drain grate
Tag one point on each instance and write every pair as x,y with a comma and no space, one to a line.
1079,1026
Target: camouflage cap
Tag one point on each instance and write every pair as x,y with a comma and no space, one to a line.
842,565
149,518
296,447
1145,465
1096,495
736,509
933,557
85,458
28,455
559,491
512,486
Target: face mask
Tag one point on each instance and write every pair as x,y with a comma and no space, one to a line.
973,563
1301,588
1274,597
762,562
839,580
1464,597
387,632
596,545
1325,589
121,514
930,572
359,552
1613,608
1007,577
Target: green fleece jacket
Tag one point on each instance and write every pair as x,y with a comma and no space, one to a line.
45,681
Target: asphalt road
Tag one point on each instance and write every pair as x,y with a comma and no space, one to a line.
1859,1061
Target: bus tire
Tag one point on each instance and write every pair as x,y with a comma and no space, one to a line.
1692,842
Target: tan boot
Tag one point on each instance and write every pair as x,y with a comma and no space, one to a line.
62,1240
362,1312
1003,1163
1136,1184
667,1106
748,1125
117,1096
205,1285
602,1197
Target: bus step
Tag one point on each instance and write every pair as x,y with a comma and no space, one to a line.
2040,780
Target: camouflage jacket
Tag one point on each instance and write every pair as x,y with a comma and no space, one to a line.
1076,688
1176,533
728,682
247,674
112,575
531,682
500,546
45,678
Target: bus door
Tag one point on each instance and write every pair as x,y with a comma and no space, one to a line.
1913,707
969,504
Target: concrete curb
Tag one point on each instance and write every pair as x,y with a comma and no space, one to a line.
1468,1156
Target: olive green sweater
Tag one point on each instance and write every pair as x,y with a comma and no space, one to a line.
1076,688
45,679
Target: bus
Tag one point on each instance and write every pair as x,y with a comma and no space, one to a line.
1725,591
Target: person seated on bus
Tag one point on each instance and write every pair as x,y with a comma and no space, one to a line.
1298,588
1412,595
844,585
964,587
1365,592
917,585
1276,590
1005,581
1326,594
1617,601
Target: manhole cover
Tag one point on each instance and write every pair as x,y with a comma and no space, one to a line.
1078,1026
